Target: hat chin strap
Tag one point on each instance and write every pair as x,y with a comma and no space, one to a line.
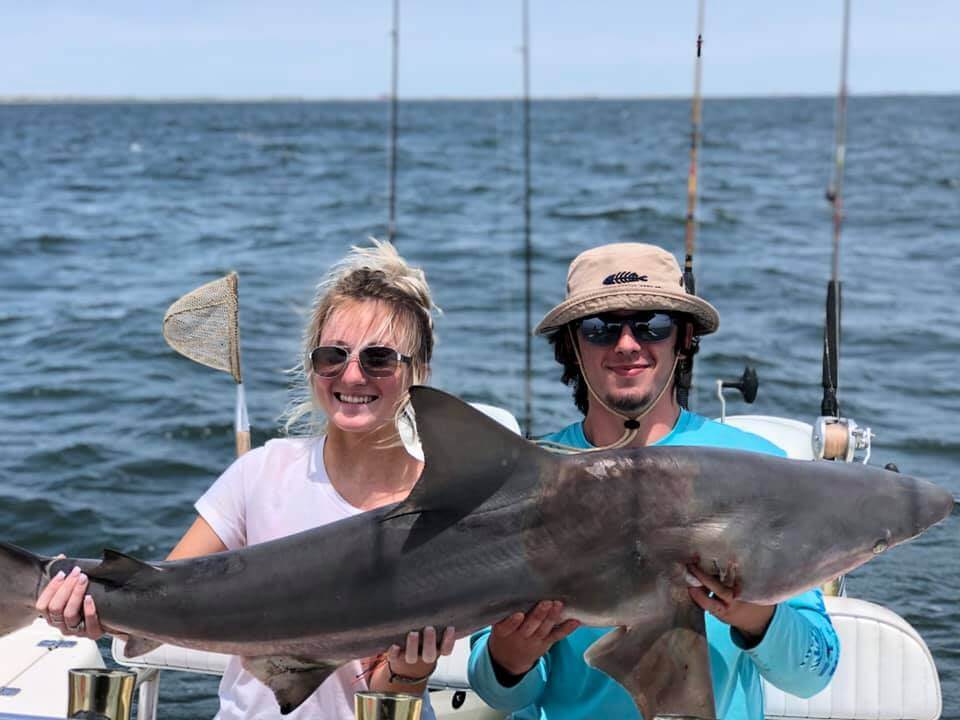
631,423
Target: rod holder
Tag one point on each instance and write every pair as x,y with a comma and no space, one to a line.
370,705
100,694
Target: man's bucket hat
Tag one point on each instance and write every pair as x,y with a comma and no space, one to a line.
627,276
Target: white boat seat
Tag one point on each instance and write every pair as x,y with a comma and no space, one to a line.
793,436
172,657
885,672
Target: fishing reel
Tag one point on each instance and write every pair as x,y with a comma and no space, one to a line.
840,439
747,384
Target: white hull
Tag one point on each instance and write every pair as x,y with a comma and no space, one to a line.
33,669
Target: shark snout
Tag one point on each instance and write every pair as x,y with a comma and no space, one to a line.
927,504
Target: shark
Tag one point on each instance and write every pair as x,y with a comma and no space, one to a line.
495,524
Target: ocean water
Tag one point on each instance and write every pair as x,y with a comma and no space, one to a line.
108,213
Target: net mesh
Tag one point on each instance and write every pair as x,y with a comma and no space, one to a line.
203,325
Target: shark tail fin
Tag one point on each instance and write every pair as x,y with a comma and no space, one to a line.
22,576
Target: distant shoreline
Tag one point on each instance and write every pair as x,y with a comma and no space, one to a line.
202,100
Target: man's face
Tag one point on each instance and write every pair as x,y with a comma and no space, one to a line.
629,373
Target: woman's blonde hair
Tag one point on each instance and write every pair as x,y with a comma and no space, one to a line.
376,273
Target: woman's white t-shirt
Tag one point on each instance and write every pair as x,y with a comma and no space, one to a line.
273,491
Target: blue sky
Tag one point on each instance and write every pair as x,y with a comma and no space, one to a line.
341,48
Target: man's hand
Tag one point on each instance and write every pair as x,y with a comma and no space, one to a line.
751,620
518,641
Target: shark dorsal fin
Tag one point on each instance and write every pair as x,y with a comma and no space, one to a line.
469,458
117,568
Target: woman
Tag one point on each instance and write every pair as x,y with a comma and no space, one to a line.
369,338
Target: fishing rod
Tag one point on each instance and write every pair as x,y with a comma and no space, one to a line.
829,405
685,369
392,172
527,243
835,437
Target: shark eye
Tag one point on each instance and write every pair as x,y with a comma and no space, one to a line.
879,546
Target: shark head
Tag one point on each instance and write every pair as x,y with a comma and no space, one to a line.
790,525
880,510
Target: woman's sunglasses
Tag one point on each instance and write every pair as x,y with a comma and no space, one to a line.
378,361
605,329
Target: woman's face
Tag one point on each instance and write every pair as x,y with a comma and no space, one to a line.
353,401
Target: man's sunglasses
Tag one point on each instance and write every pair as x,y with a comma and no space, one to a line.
648,327
378,361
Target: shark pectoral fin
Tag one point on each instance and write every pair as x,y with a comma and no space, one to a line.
137,646
291,679
664,666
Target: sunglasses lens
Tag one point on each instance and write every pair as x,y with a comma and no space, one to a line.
654,328
605,330
598,331
328,360
378,361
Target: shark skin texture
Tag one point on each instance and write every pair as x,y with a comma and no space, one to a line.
494,525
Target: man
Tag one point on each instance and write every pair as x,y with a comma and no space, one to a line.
622,335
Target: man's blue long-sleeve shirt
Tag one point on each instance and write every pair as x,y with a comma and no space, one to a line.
798,653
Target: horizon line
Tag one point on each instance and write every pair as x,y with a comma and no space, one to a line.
68,99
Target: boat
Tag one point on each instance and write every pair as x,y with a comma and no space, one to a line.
905,685
33,661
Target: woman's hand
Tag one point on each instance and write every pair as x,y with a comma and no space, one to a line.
518,641
406,669
67,607
720,601
65,604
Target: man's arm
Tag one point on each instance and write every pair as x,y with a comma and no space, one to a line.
800,649
508,665
486,682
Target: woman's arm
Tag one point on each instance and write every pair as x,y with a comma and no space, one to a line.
199,540
67,606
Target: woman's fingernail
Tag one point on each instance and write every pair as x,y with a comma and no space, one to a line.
88,600
691,580
59,576
75,571
83,579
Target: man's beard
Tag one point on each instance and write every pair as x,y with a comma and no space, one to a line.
630,404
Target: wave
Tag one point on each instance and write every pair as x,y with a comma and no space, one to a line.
610,212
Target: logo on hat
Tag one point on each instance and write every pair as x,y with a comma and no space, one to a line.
624,277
